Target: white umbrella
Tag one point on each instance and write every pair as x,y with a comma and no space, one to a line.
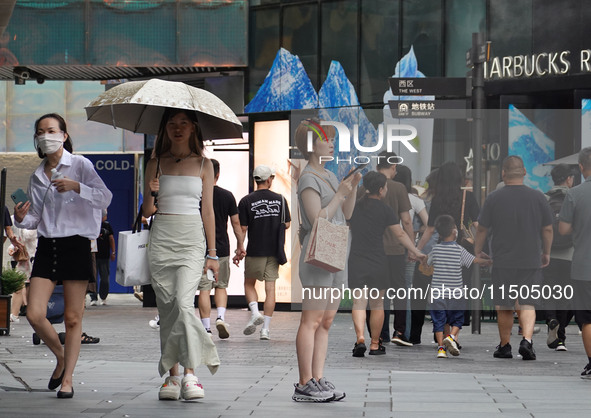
138,106
570,160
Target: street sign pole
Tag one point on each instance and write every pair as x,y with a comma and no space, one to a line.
478,105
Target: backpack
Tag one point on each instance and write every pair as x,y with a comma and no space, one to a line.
555,200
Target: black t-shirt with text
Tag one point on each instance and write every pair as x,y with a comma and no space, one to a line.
260,211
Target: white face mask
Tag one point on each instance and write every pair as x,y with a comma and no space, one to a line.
49,143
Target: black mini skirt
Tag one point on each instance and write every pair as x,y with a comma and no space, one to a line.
62,259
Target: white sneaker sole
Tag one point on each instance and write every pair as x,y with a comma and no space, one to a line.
251,328
451,347
223,332
195,393
169,396
307,398
401,343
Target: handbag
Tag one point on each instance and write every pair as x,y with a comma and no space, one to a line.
327,247
281,257
21,255
467,240
132,259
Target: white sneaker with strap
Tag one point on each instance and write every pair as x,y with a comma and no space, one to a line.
191,388
170,389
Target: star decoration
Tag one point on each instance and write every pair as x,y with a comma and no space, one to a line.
469,161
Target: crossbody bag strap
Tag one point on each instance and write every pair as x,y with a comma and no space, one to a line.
463,206
282,210
323,179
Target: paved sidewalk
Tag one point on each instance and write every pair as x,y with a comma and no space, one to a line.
118,377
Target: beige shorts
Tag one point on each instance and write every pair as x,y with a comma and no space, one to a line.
223,276
261,268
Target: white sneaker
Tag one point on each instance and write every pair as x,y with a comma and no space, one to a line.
170,389
255,320
103,301
154,324
222,328
93,303
191,388
265,334
14,319
451,346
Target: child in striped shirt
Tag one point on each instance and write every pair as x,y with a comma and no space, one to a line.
447,296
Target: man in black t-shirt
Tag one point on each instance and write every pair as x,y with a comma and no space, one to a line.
224,207
261,213
521,223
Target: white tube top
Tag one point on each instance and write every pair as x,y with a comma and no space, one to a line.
179,195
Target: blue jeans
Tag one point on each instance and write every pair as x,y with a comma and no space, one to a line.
447,311
102,284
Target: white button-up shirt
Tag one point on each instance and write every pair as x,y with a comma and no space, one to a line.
58,215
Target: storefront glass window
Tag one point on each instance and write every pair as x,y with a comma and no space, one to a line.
463,17
22,105
339,37
264,44
300,36
510,27
422,30
379,52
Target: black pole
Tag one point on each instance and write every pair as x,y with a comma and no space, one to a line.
2,205
478,106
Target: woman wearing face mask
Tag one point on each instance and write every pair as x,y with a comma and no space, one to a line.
66,212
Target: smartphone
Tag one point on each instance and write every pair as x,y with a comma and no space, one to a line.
19,196
355,170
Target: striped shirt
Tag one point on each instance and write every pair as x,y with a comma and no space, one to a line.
447,259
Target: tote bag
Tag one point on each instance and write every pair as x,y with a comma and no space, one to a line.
327,247
132,259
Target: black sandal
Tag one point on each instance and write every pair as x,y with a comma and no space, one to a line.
87,339
378,351
359,350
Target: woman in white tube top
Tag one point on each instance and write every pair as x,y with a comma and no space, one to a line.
180,177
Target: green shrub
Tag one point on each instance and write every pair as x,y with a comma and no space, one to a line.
12,281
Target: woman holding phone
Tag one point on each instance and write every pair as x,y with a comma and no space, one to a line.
67,214
182,179
319,194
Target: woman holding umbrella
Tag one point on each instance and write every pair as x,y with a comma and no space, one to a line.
180,178
66,211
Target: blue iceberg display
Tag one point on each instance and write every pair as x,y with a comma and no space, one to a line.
339,102
533,146
286,87
407,67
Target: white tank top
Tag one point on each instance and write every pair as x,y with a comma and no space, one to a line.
179,195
